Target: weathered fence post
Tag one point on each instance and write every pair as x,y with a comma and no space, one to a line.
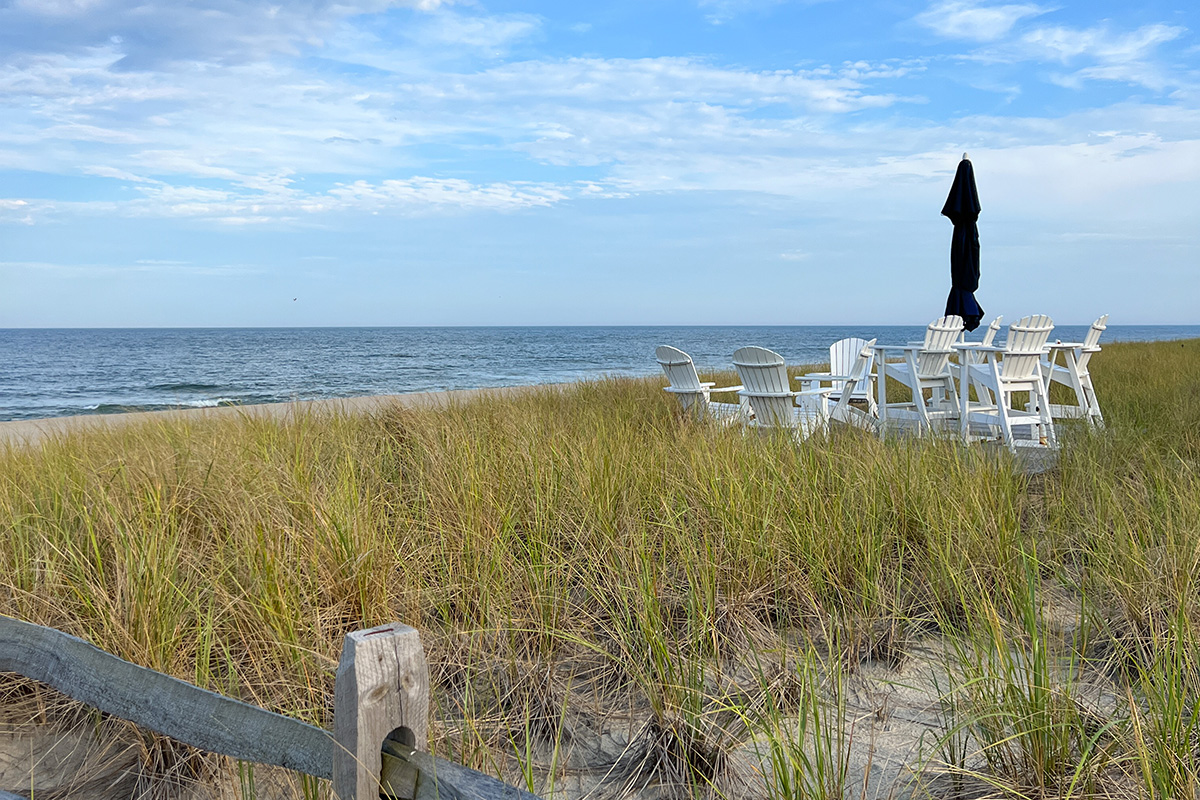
381,691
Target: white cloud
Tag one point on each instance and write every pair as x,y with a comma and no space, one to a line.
1095,53
965,19
722,11
56,8
270,199
101,171
156,32
140,265
673,79
1124,57
424,194
17,211
484,32
89,133
239,122
242,139
1065,44
242,143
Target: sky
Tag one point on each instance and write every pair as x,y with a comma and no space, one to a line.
429,162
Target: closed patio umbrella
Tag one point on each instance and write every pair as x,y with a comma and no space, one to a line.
962,207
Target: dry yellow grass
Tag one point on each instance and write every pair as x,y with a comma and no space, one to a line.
573,554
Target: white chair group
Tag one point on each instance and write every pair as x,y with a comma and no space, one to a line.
766,397
975,392
692,394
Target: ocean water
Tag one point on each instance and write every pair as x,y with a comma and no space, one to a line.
62,372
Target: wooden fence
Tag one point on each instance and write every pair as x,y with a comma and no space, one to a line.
380,716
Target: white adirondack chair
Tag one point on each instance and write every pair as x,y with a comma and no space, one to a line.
849,384
1016,367
693,394
1073,372
924,366
766,387
843,355
989,337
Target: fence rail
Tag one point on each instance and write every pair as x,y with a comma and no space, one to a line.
381,695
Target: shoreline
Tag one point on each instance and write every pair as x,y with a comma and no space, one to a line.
26,432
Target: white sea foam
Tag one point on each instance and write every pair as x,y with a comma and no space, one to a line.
209,403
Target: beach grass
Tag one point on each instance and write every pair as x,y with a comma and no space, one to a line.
606,588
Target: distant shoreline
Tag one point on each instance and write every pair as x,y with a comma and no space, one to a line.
34,431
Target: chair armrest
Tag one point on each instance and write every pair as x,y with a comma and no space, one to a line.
709,384
900,347
821,376
744,393
677,390
824,390
975,347
727,389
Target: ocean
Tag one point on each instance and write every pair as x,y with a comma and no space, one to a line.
63,372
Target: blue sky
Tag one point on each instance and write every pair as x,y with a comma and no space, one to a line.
425,162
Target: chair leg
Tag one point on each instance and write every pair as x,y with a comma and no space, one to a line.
1080,396
1045,417
1005,401
952,394
804,425
1093,405
964,402
881,387
918,397
922,410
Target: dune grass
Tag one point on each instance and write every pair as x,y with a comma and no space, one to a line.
603,586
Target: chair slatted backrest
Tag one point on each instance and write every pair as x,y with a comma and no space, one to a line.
862,361
989,336
1091,342
993,329
934,358
680,370
859,373
843,357
763,373
1023,349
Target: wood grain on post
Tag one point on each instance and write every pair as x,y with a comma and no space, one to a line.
382,690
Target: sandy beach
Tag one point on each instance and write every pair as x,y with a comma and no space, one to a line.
35,431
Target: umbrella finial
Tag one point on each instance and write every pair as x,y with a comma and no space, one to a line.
965,157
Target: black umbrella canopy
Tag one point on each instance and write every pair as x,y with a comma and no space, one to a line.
962,207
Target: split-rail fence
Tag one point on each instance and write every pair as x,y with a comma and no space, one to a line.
378,745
